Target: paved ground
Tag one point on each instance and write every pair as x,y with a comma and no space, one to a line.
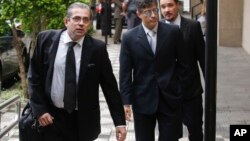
233,94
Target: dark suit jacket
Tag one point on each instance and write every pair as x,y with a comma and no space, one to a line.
195,47
144,76
194,41
95,69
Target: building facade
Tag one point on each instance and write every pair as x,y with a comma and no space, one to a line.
234,24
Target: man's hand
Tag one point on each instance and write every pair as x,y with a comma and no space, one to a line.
128,112
120,133
45,119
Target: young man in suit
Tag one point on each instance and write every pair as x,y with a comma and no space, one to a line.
152,72
49,81
194,41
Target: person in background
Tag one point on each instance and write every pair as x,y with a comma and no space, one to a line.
152,71
106,18
118,20
129,7
193,39
65,72
202,18
98,14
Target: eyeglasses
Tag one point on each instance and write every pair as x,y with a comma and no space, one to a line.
148,13
78,19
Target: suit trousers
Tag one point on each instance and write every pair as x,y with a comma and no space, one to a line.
64,127
192,118
169,124
118,29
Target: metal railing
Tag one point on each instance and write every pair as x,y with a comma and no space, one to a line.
15,100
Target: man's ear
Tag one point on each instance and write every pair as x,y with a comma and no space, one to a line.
138,13
66,20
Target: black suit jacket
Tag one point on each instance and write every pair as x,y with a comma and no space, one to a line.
147,78
194,41
95,70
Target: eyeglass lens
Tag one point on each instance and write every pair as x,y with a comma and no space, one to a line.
148,13
79,19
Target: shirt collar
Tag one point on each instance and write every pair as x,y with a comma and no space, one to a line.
148,30
177,21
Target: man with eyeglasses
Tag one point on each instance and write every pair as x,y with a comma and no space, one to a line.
66,70
152,69
193,38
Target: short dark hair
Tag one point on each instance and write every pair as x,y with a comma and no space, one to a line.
78,5
141,4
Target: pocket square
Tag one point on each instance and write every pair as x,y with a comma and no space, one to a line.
91,65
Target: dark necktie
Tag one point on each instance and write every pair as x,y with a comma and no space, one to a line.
70,80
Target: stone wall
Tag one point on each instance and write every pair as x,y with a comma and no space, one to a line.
230,22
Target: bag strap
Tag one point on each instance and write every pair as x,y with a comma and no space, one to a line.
27,106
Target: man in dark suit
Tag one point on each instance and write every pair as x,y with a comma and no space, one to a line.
194,41
47,81
152,68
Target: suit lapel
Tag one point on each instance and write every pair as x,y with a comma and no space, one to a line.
183,25
160,35
142,39
54,47
85,57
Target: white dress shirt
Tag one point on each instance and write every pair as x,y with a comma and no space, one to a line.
177,21
57,88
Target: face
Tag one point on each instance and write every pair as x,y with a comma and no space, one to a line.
78,24
149,16
169,9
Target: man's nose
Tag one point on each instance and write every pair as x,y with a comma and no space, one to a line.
167,9
154,14
81,22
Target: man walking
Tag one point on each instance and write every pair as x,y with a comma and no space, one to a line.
152,69
194,41
65,72
118,21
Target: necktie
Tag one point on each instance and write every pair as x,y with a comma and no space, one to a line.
152,40
70,80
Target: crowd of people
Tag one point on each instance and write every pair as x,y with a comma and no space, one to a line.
159,74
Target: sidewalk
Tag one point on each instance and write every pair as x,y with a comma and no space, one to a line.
233,93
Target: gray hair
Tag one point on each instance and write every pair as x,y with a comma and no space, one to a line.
79,5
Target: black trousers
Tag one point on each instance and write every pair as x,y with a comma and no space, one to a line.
64,128
192,118
169,124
